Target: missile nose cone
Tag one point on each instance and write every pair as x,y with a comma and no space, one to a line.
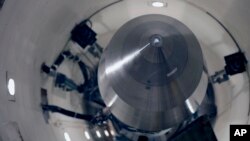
150,71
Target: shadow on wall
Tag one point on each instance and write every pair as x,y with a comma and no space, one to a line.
10,132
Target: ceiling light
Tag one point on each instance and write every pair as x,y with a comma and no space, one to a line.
112,132
87,135
98,134
66,136
106,133
11,86
158,4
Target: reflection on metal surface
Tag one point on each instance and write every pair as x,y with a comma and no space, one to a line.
151,67
190,107
195,100
112,101
125,60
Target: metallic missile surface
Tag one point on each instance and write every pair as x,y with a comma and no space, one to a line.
151,74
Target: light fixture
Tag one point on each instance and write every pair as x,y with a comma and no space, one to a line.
158,4
87,135
106,133
66,136
112,132
11,86
98,134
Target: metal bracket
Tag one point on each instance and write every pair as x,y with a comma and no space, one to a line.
219,77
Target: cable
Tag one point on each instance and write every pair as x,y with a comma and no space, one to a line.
88,19
248,75
229,33
90,22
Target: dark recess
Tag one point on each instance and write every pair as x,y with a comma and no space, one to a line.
199,130
1,3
